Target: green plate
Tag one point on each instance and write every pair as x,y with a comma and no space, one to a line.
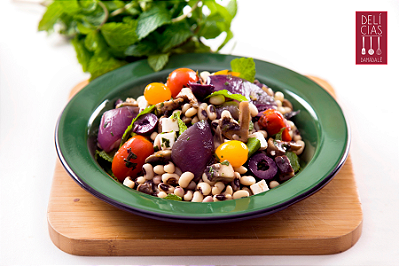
321,123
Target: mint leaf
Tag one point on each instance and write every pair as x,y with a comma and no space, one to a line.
174,35
294,160
118,34
279,135
129,129
82,53
246,68
101,63
152,19
229,95
173,197
143,48
106,156
180,123
158,61
50,17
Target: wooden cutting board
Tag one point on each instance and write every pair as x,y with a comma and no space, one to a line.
330,221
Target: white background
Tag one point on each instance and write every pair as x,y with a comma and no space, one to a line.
311,37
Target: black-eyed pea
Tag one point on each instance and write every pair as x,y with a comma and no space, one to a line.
153,135
204,188
300,150
185,179
279,96
158,169
186,119
202,114
194,120
219,197
211,111
208,199
273,184
170,179
188,196
247,180
240,194
192,111
192,185
217,100
228,190
185,107
235,184
169,168
253,110
197,197
241,170
157,180
129,182
217,188
178,171
140,180
162,194
167,188
263,132
148,171
179,191
247,189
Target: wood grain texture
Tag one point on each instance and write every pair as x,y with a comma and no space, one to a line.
330,221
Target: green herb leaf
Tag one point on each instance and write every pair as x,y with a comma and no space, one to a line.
253,145
229,95
106,156
294,160
174,35
50,17
173,197
246,68
225,163
181,124
82,53
152,19
129,129
158,61
118,34
279,135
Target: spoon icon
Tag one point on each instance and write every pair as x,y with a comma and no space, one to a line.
379,50
363,49
371,51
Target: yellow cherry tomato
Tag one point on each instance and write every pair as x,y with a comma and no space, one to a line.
227,72
157,92
234,151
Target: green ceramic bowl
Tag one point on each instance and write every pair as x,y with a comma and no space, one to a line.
321,123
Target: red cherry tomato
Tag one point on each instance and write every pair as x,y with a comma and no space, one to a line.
273,121
129,159
179,78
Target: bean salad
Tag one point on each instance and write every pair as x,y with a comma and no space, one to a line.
201,137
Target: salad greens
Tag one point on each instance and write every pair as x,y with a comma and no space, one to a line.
229,95
109,34
244,66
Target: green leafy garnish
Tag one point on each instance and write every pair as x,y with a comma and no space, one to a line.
109,34
129,129
180,123
104,155
229,95
294,160
244,66
279,135
253,145
225,163
173,197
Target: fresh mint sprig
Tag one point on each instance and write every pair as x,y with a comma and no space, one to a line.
109,34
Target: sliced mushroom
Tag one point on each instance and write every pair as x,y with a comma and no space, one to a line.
231,129
147,187
128,102
217,137
187,94
297,147
276,147
168,105
220,172
159,157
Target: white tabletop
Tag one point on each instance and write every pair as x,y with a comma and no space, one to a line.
311,37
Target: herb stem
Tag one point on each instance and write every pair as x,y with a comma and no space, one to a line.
101,4
121,10
180,18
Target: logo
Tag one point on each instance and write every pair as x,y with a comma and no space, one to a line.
371,38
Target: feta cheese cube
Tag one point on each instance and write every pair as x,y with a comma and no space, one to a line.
166,140
259,187
169,124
